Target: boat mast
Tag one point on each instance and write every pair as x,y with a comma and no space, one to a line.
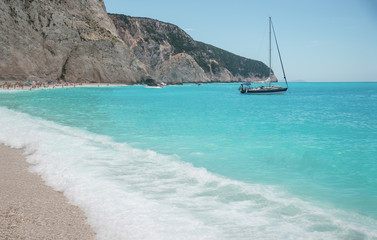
269,77
277,46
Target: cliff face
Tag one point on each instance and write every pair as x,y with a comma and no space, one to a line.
172,56
72,40
77,41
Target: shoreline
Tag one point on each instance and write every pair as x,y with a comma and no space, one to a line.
30,209
16,86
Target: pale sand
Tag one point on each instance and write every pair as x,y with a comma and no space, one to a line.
57,86
31,210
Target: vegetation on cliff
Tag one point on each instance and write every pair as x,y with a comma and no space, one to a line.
237,65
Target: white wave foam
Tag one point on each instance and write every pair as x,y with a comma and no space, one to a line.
128,193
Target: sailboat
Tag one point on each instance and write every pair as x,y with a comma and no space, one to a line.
268,89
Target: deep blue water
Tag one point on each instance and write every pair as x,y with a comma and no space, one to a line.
316,144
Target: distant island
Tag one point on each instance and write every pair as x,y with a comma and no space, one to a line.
75,42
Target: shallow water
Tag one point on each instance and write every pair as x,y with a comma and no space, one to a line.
205,162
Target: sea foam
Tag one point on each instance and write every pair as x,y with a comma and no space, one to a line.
128,193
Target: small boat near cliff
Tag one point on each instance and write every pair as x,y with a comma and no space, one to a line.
246,88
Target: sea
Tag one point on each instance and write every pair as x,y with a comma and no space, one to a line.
206,162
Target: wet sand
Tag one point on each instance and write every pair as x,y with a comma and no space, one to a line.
31,210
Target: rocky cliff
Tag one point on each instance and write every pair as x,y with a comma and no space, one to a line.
77,41
70,40
172,56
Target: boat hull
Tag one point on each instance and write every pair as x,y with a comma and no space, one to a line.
265,91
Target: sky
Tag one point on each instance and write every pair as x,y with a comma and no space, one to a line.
320,40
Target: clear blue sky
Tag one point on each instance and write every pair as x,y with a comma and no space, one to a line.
320,40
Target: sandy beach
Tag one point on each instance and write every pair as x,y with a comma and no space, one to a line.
31,210
29,86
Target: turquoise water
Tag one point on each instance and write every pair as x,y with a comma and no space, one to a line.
314,147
